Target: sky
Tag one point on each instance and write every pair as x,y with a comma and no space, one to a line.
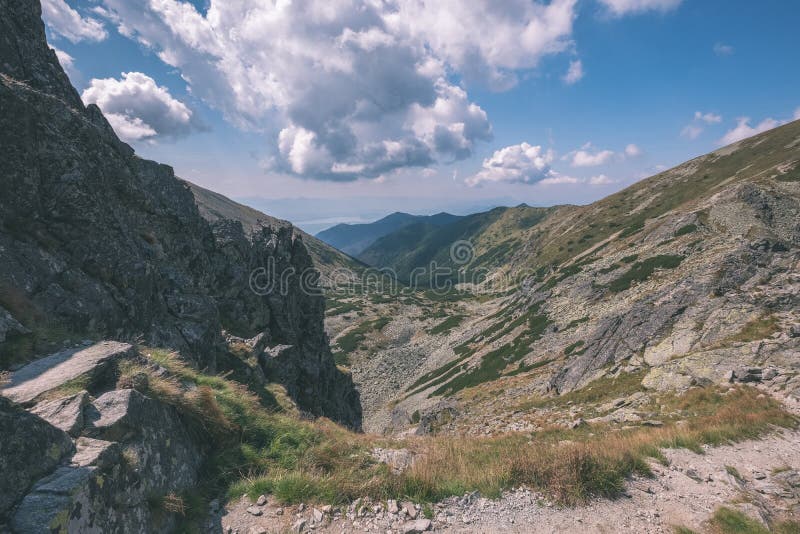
327,111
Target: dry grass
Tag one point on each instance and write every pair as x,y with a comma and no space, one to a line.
257,450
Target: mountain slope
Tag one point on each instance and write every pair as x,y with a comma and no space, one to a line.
689,277
354,238
98,243
491,238
327,259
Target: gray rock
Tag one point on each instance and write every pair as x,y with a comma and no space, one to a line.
391,506
397,459
299,525
254,510
410,509
29,449
96,452
262,500
417,527
66,413
51,372
10,327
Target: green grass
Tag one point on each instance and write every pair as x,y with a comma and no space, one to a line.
576,322
447,325
641,271
351,341
255,450
494,363
571,348
729,521
685,230
756,330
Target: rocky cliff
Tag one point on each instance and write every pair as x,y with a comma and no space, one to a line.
99,243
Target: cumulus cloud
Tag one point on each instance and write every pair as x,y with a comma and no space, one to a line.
574,73
691,131
352,88
601,179
516,164
797,114
743,129
697,126
722,49
140,110
587,156
625,7
64,21
633,151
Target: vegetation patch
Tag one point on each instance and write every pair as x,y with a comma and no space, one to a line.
350,341
447,325
572,348
494,363
686,230
641,271
756,330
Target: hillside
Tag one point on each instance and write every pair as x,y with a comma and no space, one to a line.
688,277
494,237
354,238
327,259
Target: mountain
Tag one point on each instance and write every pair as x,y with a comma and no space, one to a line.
327,260
138,351
491,238
99,243
686,278
354,238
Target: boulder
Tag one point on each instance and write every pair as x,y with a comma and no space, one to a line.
417,526
30,448
66,413
51,372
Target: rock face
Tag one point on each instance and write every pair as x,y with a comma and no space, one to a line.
129,451
30,448
100,243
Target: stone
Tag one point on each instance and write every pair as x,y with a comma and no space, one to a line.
652,423
299,525
65,413
51,372
391,506
410,509
327,509
417,526
29,449
577,423
397,459
317,515
96,452
10,327
254,510
262,500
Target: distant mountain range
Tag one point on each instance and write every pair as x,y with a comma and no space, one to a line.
353,239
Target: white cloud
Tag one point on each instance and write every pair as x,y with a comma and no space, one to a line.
588,157
521,164
696,127
692,131
722,49
62,20
708,118
797,114
601,179
625,7
574,73
633,151
357,87
139,109
743,129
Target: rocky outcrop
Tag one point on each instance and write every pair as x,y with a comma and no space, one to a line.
100,243
129,452
29,449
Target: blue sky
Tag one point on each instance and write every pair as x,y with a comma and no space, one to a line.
322,112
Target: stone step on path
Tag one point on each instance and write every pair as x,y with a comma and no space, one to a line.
51,372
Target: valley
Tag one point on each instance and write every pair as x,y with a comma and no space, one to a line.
172,360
